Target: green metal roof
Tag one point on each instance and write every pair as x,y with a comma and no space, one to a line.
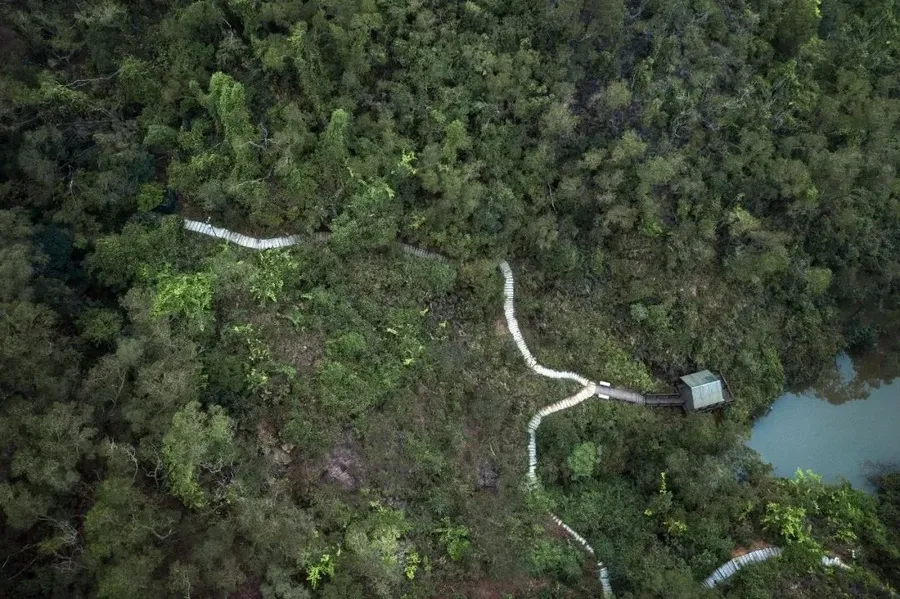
705,389
699,378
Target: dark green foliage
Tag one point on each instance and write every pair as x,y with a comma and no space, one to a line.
122,532
680,185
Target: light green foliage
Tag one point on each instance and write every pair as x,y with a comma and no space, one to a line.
412,564
818,280
837,514
559,121
228,101
261,366
273,269
455,539
556,558
628,147
330,159
221,160
310,67
617,95
188,296
317,571
369,223
352,382
583,460
379,540
790,524
199,442
150,196
61,97
384,536
742,222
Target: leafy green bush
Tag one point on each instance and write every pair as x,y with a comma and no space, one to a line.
583,460
188,296
198,442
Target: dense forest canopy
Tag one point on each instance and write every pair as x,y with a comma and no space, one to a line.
681,184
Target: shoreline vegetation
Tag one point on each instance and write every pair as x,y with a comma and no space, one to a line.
681,185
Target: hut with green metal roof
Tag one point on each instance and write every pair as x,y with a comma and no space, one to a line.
704,391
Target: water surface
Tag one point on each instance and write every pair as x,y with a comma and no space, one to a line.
845,427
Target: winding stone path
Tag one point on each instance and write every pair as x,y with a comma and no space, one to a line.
589,389
730,568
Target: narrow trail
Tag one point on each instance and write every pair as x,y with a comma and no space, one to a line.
601,389
730,568
280,242
589,389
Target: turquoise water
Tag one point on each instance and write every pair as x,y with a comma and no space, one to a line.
843,428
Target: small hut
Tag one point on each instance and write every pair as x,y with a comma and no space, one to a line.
704,391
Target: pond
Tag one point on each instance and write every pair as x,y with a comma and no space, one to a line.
846,426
